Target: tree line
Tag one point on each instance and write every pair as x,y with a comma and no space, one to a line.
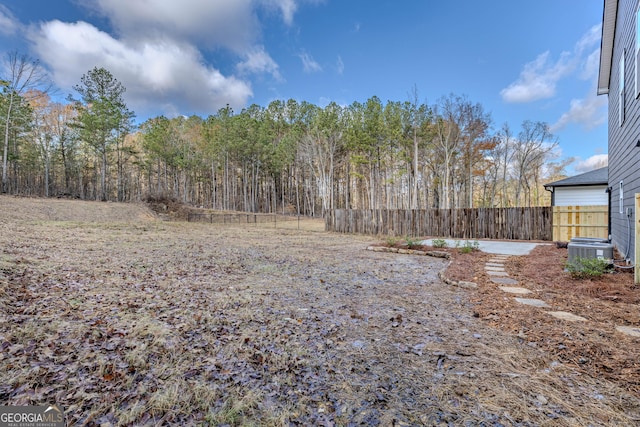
289,156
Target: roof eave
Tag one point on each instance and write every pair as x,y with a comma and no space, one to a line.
589,184
609,17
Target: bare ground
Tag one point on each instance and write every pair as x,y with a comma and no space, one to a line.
127,320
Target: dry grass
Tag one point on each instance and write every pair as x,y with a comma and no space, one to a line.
134,321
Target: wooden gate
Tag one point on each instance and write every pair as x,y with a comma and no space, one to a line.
580,221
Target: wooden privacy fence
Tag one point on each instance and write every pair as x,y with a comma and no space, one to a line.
476,223
580,221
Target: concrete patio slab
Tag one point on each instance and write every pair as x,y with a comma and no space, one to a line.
492,246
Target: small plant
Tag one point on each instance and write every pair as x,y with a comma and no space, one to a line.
469,246
439,243
392,241
587,268
412,242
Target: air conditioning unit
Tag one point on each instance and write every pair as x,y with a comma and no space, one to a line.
590,250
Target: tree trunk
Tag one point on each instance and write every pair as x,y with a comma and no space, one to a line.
5,152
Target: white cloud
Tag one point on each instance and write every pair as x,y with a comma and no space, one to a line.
8,24
160,49
594,162
287,7
259,61
229,24
539,78
159,73
589,39
590,66
590,112
340,65
309,65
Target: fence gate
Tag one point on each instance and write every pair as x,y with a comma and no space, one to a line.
580,221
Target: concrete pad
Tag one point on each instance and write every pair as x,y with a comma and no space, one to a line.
493,246
567,316
532,301
497,273
504,281
634,331
515,290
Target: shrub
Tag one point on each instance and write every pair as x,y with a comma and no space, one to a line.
412,242
469,246
439,243
392,241
586,268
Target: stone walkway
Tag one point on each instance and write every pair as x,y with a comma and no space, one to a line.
494,267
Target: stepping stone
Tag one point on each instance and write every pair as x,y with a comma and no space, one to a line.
498,260
494,264
515,290
567,316
497,273
490,268
634,331
532,301
467,285
504,281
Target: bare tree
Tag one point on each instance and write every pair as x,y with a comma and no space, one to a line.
474,127
417,116
320,146
22,75
534,146
503,157
447,141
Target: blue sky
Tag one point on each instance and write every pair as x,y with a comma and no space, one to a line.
522,60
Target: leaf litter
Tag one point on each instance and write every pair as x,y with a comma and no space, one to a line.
143,322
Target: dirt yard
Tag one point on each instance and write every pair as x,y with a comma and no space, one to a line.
124,319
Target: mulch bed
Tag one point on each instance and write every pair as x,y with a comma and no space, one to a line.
594,347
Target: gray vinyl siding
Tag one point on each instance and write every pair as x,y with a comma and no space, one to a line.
624,156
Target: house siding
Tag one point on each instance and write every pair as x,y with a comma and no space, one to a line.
581,196
624,156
